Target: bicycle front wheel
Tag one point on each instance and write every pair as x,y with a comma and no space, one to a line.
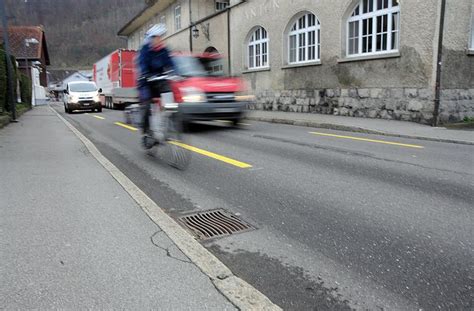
175,151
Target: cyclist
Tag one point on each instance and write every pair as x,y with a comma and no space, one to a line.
153,59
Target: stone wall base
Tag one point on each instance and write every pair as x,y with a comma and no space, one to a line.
406,104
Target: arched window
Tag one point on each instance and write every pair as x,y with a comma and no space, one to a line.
373,28
257,49
304,39
211,50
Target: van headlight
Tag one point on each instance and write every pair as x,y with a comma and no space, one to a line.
74,99
193,95
245,98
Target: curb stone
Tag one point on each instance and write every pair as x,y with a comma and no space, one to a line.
243,295
5,120
353,129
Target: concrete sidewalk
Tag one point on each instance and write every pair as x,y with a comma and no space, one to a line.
73,238
372,126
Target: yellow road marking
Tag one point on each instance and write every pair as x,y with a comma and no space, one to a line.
227,121
368,140
197,150
128,127
212,155
98,117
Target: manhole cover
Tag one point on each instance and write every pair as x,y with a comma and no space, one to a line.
214,224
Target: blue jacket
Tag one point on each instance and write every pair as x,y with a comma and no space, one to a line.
151,62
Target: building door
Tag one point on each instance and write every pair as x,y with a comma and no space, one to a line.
214,66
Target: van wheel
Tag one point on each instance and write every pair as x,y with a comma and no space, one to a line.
236,122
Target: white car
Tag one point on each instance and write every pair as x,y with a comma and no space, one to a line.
82,95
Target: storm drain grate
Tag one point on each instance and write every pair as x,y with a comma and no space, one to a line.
214,224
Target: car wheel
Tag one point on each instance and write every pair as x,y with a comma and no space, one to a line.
186,126
128,119
236,122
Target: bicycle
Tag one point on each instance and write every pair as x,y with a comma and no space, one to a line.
165,125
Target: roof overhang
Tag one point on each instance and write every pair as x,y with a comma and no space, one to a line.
145,15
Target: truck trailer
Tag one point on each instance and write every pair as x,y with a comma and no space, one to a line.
115,75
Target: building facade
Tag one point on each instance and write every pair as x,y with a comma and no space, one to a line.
364,58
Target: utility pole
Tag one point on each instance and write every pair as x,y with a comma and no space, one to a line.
11,100
439,65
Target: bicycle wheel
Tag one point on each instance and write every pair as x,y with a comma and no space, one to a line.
174,153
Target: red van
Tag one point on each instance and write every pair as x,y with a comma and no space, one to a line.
204,92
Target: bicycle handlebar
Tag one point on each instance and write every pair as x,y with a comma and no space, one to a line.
157,78
164,77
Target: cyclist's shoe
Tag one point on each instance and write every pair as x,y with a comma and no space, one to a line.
148,141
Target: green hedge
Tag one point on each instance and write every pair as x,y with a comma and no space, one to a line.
3,82
25,83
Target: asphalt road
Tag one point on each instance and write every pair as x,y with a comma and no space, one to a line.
341,222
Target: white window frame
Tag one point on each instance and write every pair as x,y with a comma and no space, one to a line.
372,16
221,5
295,30
177,17
262,44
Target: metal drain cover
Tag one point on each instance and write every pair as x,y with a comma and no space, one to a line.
214,224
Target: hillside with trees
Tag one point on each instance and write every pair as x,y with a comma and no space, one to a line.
78,32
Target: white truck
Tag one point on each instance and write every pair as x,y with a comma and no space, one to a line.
115,75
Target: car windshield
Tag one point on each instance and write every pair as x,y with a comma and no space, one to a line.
82,87
189,66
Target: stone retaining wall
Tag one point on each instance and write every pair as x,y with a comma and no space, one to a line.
456,104
407,104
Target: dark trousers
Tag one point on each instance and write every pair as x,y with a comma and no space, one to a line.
156,89
146,112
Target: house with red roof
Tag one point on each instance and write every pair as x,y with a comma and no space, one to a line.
28,45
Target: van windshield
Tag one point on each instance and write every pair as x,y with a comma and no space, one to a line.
82,87
188,66
213,66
